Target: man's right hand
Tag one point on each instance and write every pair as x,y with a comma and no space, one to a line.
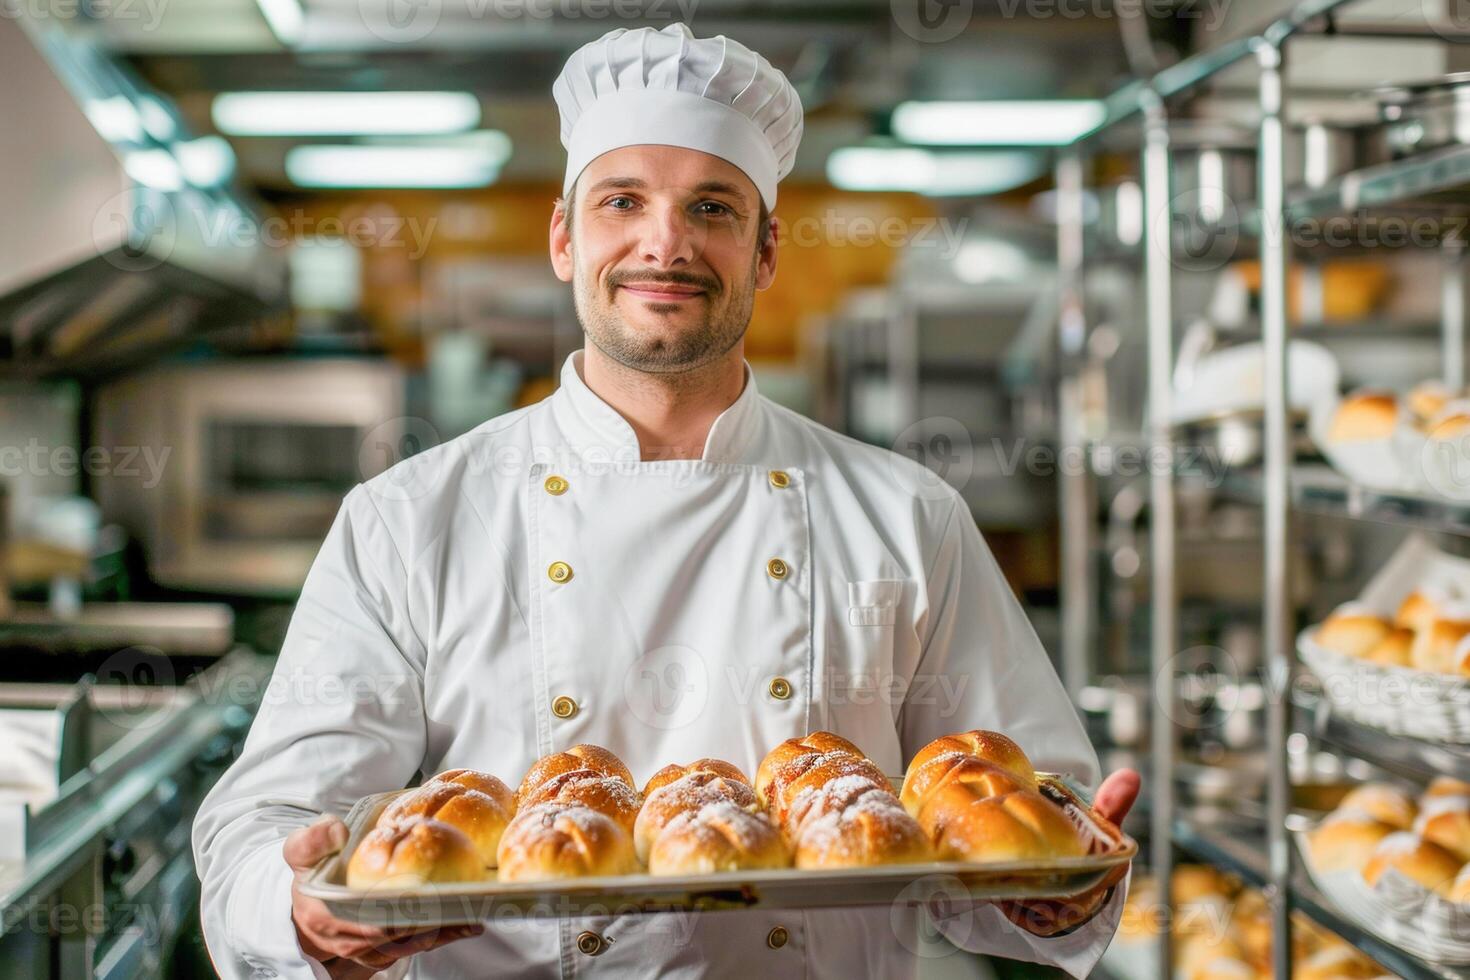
347,950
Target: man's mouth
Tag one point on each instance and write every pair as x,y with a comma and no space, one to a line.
668,292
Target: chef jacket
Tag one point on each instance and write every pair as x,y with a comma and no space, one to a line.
534,584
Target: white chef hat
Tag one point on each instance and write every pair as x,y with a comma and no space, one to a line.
674,89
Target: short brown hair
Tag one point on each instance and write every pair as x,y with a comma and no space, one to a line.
763,226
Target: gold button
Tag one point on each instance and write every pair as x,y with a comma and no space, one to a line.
556,485
591,943
777,937
559,571
777,568
780,479
780,688
563,707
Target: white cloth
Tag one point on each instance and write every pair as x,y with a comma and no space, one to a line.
429,635
671,88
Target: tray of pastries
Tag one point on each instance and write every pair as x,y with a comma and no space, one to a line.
820,825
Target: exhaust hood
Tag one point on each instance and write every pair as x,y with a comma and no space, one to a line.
121,236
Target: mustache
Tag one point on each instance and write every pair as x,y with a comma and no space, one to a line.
662,279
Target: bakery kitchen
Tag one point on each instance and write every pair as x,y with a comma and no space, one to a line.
507,607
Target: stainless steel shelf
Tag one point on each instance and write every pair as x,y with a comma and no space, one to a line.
1319,489
1413,179
1243,851
1411,758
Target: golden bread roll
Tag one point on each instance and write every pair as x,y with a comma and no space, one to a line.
1336,963
553,840
688,793
720,836
992,747
830,798
1352,633
1416,859
577,757
1223,968
1460,887
816,743
1346,840
1199,882
1195,951
1364,417
674,771
608,795
482,781
810,772
1384,803
1446,786
413,853
859,825
1445,820
1417,611
478,816
1427,399
1016,827
1435,646
1393,650
983,778
1450,426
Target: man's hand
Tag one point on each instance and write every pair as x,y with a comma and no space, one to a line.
1115,797
347,950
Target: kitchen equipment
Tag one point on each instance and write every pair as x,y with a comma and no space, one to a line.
1318,150
238,468
911,884
1426,115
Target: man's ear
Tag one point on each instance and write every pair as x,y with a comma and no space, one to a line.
765,271
561,242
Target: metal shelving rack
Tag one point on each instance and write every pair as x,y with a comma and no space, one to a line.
1278,487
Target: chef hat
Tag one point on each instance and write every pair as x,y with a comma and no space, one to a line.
674,89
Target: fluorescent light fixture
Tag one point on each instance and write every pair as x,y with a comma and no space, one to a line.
937,174
392,166
1055,122
206,162
116,119
345,113
285,18
154,168
987,260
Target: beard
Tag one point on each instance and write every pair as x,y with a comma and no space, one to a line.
670,350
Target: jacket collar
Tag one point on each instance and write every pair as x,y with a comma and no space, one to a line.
589,422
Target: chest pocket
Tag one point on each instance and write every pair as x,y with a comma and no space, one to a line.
874,604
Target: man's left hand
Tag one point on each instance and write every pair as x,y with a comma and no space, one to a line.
1049,917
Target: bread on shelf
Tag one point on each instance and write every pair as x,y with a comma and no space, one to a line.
1383,802
1346,840
1394,650
1445,820
1352,631
1435,647
1416,859
412,853
1364,417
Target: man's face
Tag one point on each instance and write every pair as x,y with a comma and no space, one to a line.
663,255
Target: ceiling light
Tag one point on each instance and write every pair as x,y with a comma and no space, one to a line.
345,113
937,174
206,162
154,168
285,18
1034,123
392,166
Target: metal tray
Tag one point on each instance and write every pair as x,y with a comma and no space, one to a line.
789,888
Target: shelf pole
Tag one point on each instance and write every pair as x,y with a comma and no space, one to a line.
1158,269
1277,624
1078,511
1452,312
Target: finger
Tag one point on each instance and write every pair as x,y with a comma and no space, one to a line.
308,845
1116,795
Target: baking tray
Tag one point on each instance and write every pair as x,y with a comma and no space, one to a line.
788,888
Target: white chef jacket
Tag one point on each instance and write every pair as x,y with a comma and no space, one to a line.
468,610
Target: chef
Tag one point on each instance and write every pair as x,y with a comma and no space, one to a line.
656,559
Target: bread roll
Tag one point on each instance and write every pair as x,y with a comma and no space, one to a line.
482,781
689,793
1393,650
1446,786
1384,803
992,747
1448,427
1223,968
1445,820
1199,883
674,771
852,823
720,836
1427,399
477,815
413,853
1195,951
1416,859
1435,646
593,757
1417,611
816,743
983,779
1352,633
1364,417
608,795
1346,840
810,772
552,841
1336,963
1019,826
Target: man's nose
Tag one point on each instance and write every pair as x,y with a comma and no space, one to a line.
670,237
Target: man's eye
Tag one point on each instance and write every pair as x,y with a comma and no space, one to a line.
718,209
614,203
